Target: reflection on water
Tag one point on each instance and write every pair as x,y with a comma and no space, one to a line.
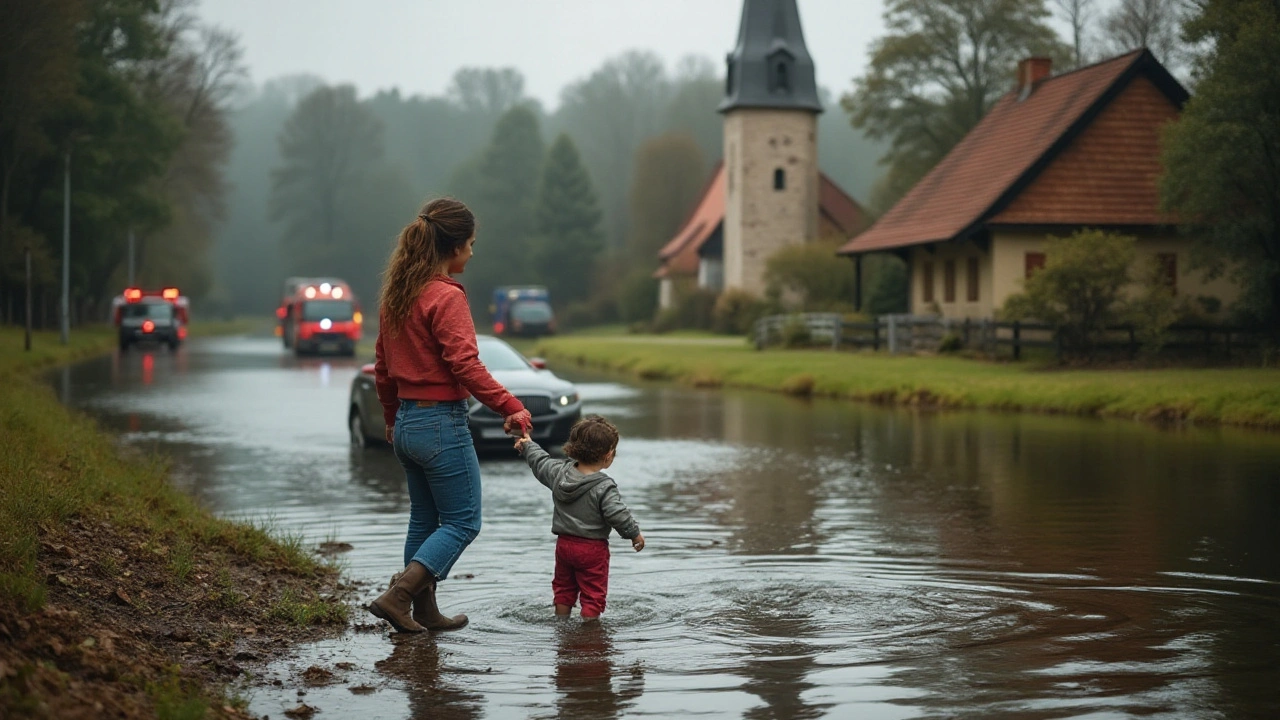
805,558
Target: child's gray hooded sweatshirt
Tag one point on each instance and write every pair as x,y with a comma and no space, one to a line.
585,505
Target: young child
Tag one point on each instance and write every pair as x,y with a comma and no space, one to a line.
587,507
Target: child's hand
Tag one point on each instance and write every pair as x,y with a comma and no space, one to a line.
521,442
638,543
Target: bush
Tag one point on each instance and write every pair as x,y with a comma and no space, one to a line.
950,343
823,280
795,333
1079,289
692,311
736,312
1154,310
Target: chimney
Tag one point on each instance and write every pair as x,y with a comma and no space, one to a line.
1031,71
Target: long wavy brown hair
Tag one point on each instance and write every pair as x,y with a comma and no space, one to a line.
422,252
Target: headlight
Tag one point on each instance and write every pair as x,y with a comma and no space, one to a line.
566,400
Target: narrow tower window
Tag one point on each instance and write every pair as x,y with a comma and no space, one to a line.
781,82
779,179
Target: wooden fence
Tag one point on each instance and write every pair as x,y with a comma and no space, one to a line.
928,333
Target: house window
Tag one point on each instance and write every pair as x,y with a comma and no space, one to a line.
926,281
781,81
779,179
1169,270
949,281
1034,261
973,279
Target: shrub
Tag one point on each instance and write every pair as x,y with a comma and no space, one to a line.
1154,310
823,280
795,333
1079,289
950,343
736,312
692,311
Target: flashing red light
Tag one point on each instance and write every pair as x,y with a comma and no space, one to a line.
133,294
182,332
281,312
498,328
148,326
170,293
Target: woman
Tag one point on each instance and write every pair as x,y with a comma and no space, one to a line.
427,364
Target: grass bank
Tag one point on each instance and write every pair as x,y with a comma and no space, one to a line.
119,595
1233,396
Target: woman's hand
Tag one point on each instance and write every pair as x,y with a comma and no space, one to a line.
391,431
521,421
638,543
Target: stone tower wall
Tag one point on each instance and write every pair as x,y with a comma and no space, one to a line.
759,219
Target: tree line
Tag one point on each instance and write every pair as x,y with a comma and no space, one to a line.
130,97
579,199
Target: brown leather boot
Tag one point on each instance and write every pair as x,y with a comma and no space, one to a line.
396,604
428,614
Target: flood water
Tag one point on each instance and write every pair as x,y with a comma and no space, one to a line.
804,559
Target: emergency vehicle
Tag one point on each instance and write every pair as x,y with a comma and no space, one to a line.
320,315
159,316
522,310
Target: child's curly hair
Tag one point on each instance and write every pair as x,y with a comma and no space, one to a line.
591,439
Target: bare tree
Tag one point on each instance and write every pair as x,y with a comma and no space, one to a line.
1152,24
1079,14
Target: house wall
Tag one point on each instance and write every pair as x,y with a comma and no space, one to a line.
1003,270
960,254
759,219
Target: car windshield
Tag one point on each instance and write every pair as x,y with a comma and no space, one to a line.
155,311
497,355
531,311
337,310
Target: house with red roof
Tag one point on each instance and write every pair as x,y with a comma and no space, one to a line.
768,193
1055,155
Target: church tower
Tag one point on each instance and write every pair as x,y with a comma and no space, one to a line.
770,113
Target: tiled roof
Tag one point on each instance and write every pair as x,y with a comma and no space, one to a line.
680,255
1067,153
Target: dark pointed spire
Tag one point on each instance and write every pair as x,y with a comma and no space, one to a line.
770,67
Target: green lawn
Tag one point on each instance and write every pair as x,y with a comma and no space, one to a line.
1234,396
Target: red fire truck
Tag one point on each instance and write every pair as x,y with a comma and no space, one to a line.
320,315
159,316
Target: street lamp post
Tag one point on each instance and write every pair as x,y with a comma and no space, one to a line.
65,303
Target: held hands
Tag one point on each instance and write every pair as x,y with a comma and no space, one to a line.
638,543
521,422
391,431
521,442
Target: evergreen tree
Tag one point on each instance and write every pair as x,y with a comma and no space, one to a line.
506,187
567,221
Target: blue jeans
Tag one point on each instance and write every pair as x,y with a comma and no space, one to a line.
434,446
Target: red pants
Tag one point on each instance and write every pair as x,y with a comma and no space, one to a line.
582,567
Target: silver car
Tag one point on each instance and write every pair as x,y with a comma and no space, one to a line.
552,401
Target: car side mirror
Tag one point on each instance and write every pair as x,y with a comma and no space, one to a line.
538,363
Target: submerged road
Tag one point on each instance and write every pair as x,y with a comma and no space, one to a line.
805,559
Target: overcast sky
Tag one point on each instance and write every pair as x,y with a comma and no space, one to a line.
416,45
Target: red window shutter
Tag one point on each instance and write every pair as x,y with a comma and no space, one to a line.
1169,270
949,281
973,279
1034,262
926,279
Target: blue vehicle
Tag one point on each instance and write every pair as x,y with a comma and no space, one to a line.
523,310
